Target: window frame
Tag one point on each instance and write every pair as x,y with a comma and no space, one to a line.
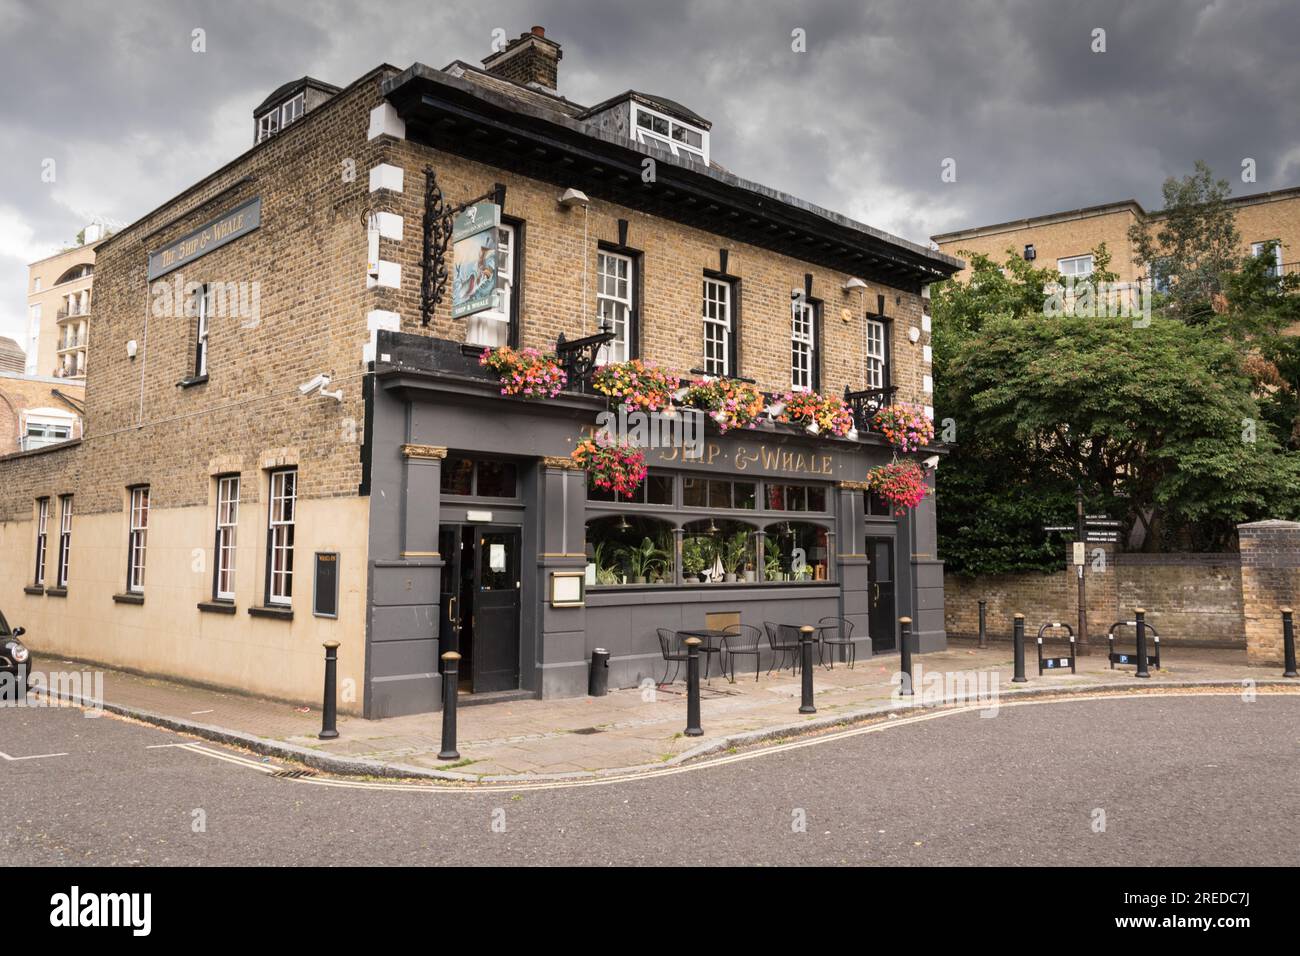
137,537
727,327
280,534
65,541
630,345
42,539
674,147
226,538
202,308
809,342
883,368
1072,259
299,100
1258,249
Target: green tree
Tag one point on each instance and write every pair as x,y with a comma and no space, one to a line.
1195,245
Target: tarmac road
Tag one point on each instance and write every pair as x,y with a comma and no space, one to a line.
1180,780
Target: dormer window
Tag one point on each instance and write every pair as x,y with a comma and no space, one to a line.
666,134
278,117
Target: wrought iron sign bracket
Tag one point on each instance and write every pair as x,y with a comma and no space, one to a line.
578,356
437,225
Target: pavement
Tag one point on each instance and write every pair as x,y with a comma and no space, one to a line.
631,730
1172,778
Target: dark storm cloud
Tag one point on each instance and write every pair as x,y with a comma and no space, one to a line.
1009,89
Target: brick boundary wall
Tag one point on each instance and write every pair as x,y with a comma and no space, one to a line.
1270,580
1189,598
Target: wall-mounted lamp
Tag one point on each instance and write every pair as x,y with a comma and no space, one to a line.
913,335
854,283
131,349
573,197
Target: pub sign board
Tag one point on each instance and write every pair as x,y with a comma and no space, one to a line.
475,269
227,227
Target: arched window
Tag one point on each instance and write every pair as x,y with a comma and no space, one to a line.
796,551
76,272
719,549
629,549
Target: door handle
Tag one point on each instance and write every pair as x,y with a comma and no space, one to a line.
876,596
451,609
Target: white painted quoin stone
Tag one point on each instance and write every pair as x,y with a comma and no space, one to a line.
377,319
384,121
385,176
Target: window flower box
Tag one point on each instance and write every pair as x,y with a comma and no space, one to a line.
636,384
819,414
526,372
730,403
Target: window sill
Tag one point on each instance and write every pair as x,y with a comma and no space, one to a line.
191,382
278,613
33,589
734,378
128,598
217,607
56,592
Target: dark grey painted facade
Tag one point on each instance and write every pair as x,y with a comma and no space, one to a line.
429,399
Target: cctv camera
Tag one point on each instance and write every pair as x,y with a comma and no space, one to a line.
319,382
932,462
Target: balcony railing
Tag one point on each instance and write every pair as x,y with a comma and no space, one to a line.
866,403
67,313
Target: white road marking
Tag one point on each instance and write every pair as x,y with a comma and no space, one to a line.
195,713
435,787
32,757
183,743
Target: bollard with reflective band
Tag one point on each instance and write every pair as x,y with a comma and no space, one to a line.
693,728
1288,644
1140,616
805,648
1018,644
984,637
330,706
905,654
450,688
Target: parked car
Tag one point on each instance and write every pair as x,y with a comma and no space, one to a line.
14,658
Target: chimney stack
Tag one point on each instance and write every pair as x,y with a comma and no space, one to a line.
530,59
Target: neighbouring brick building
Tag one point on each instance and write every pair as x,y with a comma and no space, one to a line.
1269,224
289,441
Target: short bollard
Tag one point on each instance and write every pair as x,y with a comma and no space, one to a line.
805,646
1288,644
1018,642
693,728
330,706
450,688
905,655
984,636
1140,616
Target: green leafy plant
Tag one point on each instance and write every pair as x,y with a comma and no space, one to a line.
644,560
698,554
735,549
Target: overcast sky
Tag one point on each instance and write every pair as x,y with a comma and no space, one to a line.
861,122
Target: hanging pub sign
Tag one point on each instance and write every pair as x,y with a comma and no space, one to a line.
227,227
474,258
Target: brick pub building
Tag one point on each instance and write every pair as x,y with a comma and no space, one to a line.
228,509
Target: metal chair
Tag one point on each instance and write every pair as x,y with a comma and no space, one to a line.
740,640
837,632
670,644
785,639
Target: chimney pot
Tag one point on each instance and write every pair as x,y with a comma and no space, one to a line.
539,31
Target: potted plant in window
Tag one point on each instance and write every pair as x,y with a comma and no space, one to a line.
772,560
735,548
644,560
697,556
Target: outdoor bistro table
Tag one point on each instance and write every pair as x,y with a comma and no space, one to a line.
712,639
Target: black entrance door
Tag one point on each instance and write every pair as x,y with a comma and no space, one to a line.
880,585
480,604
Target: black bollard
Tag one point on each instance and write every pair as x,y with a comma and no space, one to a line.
1140,615
984,637
805,648
693,728
329,711
1288,644
1018,643
450,688
905,655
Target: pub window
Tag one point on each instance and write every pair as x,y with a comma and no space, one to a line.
657,489
42,522
719,550
796,551
877,354
877,507
65,539
202,308
629,549
137,539
788,497
719,338
615,294
718,493
479,477
279,538
803,345
223,587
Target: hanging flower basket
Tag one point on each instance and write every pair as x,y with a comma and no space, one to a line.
730,403
906,426
525,372
636,384
616,468
819,414
901,483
